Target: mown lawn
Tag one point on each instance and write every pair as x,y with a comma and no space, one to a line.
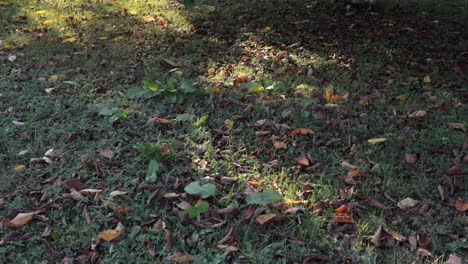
238,131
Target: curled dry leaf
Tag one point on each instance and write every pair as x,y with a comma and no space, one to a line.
303,161
228,249
230,237
407,203
75,195
457,126
343,218
122,209
454,259
180,257
424,253
74,184
262,219
20,219
109,235
43,160
165,150
376,203
90,191
418,114
455,169
380,237
461,205
348,165
169,240
302,131
158,120
117,193
424,239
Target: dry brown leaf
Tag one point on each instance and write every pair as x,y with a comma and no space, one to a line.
158,120
454,259
280,145
376,203
407,203
461,205
75,195
380,237
165,150
411,158
348,165
106,153
424,253
90,191
302,131
303,161
230,237
227,248
43,160
262,219
457,126
180,257
122,209
169,240
109,235
20,219
20,168
455,169
424,239
418,114
74,184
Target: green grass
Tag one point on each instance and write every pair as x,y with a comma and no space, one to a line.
348,75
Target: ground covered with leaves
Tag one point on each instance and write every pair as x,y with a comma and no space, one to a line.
239,132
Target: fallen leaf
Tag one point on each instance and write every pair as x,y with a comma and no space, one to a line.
117,193
230,237
424,239
427,79
55,77
20,168
455,169
228,249
262,219
341,209
18,123
165,150
158,120
380,237
302,131
69,40
20,219
418,114
43,160
343,218
424,253
454,259
11,58
411,158
74,184
303,161
376,203
106,153
457,126
180,257
171,195
229,123
461,205
75,195
109,235
122,209
374,141
348,165
407,203
90,191
280,145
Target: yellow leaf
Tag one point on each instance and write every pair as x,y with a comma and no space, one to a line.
427,79
229,123
280,145
171,195
117,39
402,97
267,28
291,201
148,18
262,219
69,40
20,220
56,77
47,22
7,46
2,3
109,235
40,12
20,168
133,12
374,141
256,89
103,38
152,88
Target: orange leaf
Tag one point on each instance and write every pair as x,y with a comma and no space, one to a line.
302,131
329,96
165,150
341,209
161,120
122,209
109,235
461,205
20,168
343,218
20,220
262,219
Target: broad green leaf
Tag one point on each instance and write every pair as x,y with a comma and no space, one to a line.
108,111
153,168
114,118
187,86
264,198
139,92
201,208
185,117
204,191
152,86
